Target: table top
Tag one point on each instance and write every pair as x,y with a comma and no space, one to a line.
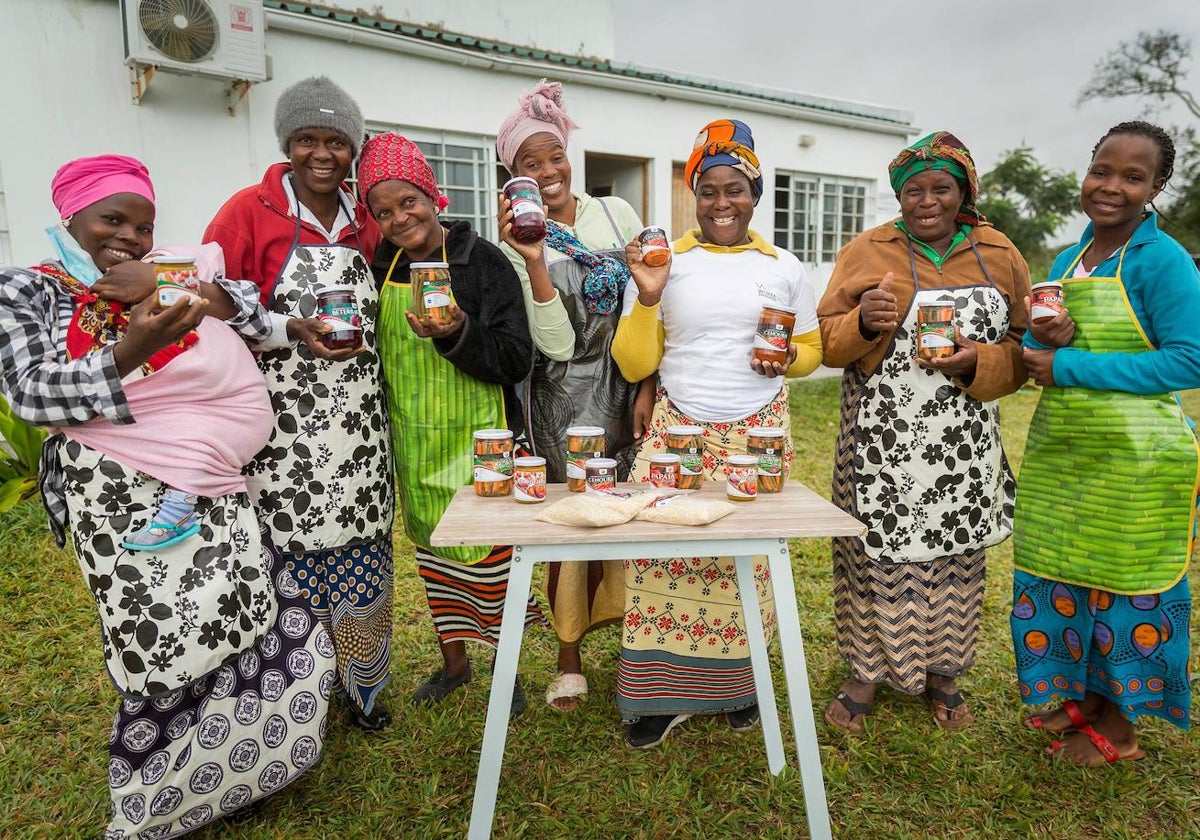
795,512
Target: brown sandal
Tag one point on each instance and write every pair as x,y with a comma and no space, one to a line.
856,710
947,703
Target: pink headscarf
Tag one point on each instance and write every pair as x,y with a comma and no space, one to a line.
390,157
540,109
84,181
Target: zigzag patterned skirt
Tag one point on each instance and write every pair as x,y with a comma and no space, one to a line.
896,622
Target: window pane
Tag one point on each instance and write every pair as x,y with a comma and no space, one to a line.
463,152
462,202
461,174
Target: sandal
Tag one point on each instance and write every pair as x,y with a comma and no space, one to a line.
564,687
946,703
856,710
1107,749
1070,707
161,535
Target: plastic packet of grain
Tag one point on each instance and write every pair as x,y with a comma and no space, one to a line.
689,509
596,509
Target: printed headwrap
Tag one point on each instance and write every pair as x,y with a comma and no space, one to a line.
940,150
540,109
84,181
724,143
390,157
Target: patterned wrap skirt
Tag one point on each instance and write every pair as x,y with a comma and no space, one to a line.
1130,649
684,644
465,600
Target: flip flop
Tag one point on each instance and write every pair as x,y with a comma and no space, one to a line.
855,708
947,702
564,686
1078,721
1108,751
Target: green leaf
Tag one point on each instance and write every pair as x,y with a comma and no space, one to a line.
24,440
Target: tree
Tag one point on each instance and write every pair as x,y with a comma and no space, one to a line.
1028,202
1154,66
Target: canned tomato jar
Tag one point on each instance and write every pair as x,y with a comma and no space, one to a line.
529,479
529,220
935,330
775,324
431,294
664,470
688,443
583,444
337,306
766,443
175,277
601,474
493,462
741,478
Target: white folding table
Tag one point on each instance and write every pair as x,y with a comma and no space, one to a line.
761,527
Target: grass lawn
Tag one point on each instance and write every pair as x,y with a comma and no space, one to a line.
571,776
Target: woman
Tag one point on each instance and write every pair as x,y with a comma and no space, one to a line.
918,457
1105,518
443,382
323,485
216,659
572,283
694,321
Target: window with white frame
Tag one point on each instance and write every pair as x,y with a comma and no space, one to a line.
464,166
815,215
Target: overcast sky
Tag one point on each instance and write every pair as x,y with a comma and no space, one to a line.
999,74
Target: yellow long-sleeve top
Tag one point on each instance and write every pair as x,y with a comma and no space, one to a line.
700,334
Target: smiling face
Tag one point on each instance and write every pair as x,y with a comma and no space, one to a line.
724,206
543,159
320,160
929,203
115,229
1121,180
407,217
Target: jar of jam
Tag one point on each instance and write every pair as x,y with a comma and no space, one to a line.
775,324
431,294
601,474
1045,301
688,443
529,479
741,478
175,277
337,306
766,443
529,220
493,462
656,249
935,330
664,470
583,444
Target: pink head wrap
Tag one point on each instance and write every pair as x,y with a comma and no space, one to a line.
390,157
540,109
84,181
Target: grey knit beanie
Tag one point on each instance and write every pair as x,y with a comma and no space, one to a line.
317,102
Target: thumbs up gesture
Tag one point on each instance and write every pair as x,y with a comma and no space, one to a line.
877,308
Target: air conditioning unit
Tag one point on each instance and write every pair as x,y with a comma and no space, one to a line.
218,39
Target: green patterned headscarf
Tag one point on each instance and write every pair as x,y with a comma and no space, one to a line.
940,151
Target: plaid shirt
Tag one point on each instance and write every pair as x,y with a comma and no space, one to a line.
44,388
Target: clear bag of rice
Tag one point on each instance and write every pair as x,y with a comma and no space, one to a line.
689,509
598,509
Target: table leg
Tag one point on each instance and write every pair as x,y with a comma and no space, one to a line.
495,731
795,669
764,686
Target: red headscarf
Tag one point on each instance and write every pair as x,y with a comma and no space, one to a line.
390,157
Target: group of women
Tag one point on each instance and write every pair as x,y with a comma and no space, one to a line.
228,641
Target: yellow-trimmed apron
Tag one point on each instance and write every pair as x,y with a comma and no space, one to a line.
1106,495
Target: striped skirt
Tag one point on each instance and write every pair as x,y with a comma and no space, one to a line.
684,644
467,601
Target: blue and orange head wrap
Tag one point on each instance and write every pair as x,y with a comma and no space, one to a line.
724,143
945,152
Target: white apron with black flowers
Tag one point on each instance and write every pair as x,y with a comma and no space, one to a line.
931,479
324,479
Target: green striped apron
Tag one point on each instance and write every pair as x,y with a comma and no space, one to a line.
1106,496
434,410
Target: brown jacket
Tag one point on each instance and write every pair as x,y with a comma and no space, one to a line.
861,266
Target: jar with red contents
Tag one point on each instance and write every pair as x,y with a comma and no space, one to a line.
525,200
337,306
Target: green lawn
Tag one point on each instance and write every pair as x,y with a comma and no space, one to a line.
572,775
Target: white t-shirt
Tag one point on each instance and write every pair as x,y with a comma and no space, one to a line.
710,311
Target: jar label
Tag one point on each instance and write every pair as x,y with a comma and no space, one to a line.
495,466
529,485
576,461
523,206
742,482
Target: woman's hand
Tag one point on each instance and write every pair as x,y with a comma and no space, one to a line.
531,252
961,364
773,369
130,281
643,408
310,330
427,329
1040,364
152,328
877,310
1059,331
650,280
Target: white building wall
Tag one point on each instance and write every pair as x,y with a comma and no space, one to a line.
71,90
